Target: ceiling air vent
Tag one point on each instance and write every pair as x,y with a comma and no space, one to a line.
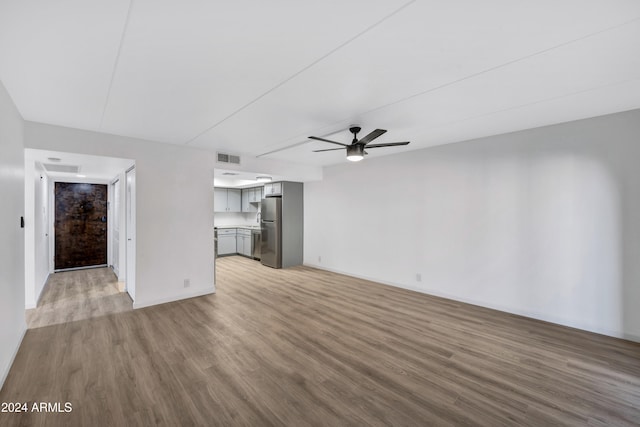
61,168
228,158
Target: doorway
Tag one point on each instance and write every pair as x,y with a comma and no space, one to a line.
80,225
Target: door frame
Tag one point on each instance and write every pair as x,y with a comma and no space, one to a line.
130,231
113,247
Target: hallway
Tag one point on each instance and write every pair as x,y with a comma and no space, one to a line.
78,295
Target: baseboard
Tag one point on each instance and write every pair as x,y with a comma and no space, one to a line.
525,313
6,369
195,293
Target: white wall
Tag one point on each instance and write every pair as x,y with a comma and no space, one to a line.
174,221
235,218
12,323
37,260
543,222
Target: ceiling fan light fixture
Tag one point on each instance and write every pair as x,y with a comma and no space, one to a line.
263,178
355,153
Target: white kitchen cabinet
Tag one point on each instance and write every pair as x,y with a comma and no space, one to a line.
227,241
245,200
234,200
246,246
239,244
227,200
249,200
273,189
255,196
243,242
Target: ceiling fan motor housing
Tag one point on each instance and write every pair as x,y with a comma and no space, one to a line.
354,130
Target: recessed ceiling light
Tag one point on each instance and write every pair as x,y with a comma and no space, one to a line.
263,178
54,159
81,176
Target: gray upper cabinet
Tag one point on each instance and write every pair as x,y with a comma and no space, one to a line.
273,189
227,200
234,202
246,207
255,195
250,199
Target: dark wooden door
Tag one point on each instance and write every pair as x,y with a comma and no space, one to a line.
80,225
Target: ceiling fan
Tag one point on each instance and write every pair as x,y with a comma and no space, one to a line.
355,151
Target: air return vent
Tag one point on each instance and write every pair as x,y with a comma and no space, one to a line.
61,168
228,158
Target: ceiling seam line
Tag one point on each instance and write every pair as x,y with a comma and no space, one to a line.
116,62
503,110
479,73
470,76
326,55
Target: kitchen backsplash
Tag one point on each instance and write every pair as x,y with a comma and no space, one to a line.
222,219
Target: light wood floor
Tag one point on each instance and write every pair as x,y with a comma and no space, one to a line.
303,347
77,295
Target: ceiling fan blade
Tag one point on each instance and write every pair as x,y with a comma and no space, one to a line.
327,140
328,149
373,135
389,144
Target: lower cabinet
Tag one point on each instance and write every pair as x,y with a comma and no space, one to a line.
243,242
227,241
233,241
239,244
246,247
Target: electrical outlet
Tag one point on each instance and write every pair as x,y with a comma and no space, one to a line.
319,259
187,283
418,277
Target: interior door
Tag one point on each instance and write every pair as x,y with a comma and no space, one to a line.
131,233
80,225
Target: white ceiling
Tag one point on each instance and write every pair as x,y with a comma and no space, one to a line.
251,76
241,179
100,168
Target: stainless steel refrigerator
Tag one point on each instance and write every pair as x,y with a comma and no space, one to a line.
271,231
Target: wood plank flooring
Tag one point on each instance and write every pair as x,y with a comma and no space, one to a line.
76,295
302,347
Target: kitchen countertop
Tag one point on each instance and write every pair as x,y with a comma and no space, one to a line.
246,227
